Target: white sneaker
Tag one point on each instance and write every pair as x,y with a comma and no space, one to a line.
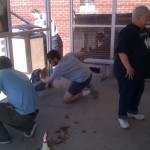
94,93
123,123
136,116
5,142
89,87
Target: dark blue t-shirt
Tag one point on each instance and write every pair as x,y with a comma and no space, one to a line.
136,44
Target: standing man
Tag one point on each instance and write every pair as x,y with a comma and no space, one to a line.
132,65
72,68
22,106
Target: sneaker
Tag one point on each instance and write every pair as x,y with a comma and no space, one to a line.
89,87
5,142
123,123
31,132
95,94
136,116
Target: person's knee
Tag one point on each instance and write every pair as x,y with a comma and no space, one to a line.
67,100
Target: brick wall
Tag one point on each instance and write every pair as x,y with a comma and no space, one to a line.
60,13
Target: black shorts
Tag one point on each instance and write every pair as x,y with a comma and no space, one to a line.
77,87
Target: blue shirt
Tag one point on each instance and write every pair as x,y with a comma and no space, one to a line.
19,91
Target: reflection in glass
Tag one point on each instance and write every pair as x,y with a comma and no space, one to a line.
95,42
29,51
117,31
3,47
90,12
3,16
86,2
93,19
123,19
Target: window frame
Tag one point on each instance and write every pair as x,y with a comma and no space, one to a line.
86,2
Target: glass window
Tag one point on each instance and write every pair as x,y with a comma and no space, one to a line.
29,46
4,27
96,14
92,28
86,2
3,52
3,47
26,15
29,50
117,30
95,42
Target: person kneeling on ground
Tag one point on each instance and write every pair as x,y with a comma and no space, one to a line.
22,107
72,68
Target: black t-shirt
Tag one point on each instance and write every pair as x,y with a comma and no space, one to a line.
136,44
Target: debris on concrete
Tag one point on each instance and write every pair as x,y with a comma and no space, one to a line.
63,135
66,117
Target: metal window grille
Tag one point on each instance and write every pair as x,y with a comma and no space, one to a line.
84,2
2,46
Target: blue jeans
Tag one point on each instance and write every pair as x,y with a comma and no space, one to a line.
130,95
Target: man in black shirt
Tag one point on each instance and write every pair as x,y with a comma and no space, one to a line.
132,65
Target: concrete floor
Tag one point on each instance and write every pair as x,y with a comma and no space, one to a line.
89,124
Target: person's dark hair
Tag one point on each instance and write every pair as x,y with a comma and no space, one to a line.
52,54
5,62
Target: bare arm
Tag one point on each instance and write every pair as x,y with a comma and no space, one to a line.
80,56
125,60
47,80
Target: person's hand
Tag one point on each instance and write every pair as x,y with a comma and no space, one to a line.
44,72
130,73
45,80
80,56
